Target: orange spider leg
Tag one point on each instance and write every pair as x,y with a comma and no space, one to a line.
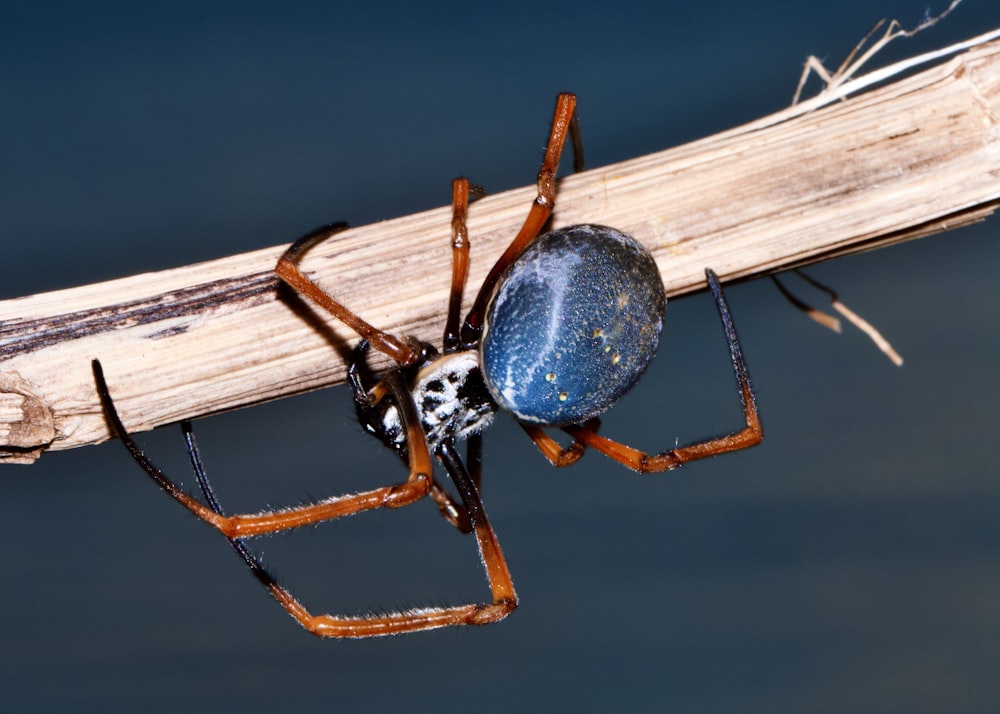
459,261
401,350
540,211
235,528
556,453
497,572
241,526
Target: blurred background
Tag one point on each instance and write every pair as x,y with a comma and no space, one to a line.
851,562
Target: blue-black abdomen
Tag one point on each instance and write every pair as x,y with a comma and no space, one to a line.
574,323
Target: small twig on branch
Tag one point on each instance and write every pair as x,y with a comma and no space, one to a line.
850,66
820,179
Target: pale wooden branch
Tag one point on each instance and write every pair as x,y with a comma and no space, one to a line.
916,157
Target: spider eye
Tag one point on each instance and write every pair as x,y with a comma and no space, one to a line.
574,323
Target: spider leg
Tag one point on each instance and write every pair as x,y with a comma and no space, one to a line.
251,560
459,262
540,211
453,511
400,349
235,528
501,583
245,525
450,509
577,142
750,435
474,459
556,453
198,467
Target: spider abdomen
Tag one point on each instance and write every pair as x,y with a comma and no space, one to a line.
574,323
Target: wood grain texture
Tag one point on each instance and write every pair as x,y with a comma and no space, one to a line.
912,158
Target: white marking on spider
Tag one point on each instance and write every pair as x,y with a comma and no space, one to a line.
451,399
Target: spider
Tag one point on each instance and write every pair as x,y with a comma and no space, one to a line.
563,325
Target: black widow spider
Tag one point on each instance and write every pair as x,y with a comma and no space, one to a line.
563,325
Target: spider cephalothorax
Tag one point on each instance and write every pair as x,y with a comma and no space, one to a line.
448,391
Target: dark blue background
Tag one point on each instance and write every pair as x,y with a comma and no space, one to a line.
851,562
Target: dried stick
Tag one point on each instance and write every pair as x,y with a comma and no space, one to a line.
820,179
